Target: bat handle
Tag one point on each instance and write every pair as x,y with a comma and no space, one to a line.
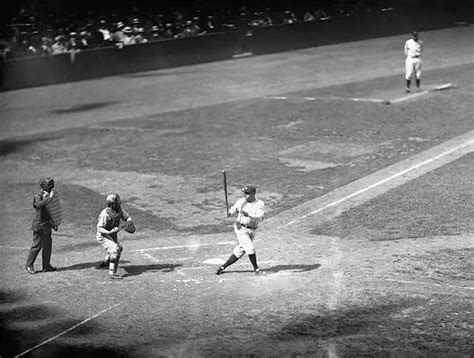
225,193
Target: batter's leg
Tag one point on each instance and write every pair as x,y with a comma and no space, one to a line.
253,260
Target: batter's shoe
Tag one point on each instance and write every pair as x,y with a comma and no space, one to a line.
220,270
50,269
30,269
257,272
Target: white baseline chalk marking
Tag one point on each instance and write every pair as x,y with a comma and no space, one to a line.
404,98
373,100
383,181
68,330
185,246
14,247
429,283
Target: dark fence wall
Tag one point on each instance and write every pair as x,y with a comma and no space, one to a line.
39,71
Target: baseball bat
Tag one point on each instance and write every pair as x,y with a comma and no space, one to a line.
225,193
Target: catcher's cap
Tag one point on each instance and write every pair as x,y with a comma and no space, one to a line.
111,198
249,189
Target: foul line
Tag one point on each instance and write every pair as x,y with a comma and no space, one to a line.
410,96
184,246
383,181
429,283
67,330
373,100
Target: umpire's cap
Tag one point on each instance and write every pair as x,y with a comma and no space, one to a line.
249,189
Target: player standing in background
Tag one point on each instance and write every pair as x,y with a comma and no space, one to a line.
108,226
250,211
42,227
413,49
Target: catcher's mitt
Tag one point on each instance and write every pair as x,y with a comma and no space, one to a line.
129,227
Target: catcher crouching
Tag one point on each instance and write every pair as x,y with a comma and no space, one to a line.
108,226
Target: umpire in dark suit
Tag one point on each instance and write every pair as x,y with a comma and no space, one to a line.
42,228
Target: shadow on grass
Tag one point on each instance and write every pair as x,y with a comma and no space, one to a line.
17,145
24,326
84,266
134,270
294,268
84,107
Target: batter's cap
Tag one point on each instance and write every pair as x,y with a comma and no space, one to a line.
249,189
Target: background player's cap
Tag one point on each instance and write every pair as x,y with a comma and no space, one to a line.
414,33
249,189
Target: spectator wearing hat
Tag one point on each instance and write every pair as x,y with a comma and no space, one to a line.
83,40
135,25
118,34
105,34
140,37
250,212
46,46
73,43
59,45
168,32
190,29
128,37
289,17
154,33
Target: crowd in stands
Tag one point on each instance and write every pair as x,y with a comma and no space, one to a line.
30,35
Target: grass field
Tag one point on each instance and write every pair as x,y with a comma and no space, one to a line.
366,249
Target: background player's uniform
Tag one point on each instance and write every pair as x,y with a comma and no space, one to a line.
413,50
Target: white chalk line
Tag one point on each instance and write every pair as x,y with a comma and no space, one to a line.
67,330
410,96
184,246
373,100
383,181
429,283
13,247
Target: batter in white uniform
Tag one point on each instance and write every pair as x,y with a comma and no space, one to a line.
413,48
250,212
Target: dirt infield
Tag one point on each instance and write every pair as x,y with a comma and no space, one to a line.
367,245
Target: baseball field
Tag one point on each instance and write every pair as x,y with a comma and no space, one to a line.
367,245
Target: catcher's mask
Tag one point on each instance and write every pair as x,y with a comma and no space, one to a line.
113,201
47,184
